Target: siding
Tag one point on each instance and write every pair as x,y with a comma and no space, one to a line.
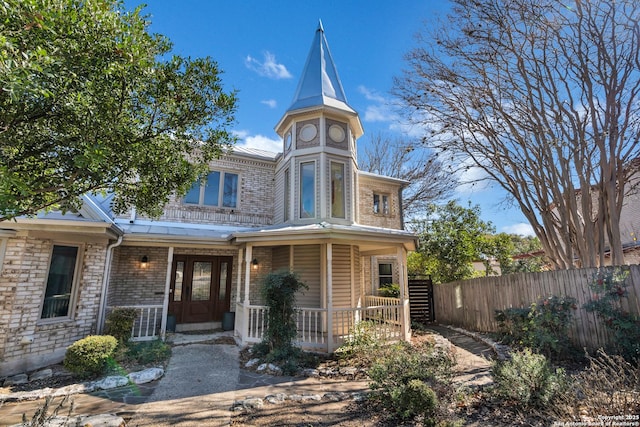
307,263
341,268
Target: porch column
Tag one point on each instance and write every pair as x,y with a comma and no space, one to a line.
167,289
404,300
239,278
247,274
331,345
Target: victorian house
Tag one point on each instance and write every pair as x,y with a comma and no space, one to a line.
308,209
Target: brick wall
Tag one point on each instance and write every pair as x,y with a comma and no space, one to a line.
22,287
367,187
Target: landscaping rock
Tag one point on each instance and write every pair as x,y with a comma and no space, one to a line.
276,398
16,379
111,382
251,363
146,376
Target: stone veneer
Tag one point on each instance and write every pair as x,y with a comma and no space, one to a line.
29,342
367,187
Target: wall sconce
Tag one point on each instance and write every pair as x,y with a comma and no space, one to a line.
254,264
144,261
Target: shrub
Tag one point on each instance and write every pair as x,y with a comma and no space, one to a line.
610,288
88,357
542,326
391,290
410,382
278,291
362,338
146,352
527,380
119,323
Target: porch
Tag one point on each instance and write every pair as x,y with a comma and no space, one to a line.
385,319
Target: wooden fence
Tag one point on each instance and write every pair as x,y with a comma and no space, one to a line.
471,304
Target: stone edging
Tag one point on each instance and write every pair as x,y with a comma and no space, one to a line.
107,383
503,352
257,403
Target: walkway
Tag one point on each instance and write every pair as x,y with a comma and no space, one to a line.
203,380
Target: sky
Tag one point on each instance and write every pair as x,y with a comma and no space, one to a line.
261,47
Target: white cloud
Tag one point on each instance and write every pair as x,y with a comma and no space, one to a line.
521,228
260,142
271,103
371,95
472,178
267,68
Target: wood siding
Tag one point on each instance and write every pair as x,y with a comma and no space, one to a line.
307,263
341,268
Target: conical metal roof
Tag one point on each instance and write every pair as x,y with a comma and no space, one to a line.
319,83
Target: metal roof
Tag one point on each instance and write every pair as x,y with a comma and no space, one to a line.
319,83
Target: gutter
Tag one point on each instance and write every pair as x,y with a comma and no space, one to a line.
105,283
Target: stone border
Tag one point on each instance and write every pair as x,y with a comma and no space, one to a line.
256,403
503,352
107,383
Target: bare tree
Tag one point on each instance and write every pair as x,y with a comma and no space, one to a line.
542,95
400,157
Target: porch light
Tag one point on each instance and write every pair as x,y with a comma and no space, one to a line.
254,264
144,261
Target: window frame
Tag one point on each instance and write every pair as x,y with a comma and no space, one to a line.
344,189
222,176
287,196
383,207
75,283
386,276
301,191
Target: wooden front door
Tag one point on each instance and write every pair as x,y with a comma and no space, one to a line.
200,288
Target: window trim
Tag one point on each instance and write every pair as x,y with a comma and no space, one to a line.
221,184
75,283
385,275
381,208
287,195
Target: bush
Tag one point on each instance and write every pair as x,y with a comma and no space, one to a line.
527,380
146,352
391,290
542,326
119,323
362,338
410,382
88,357
610,288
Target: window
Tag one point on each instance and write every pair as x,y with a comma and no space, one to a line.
218,189
62,272
307,190
286,195
337,190
380,204
385,273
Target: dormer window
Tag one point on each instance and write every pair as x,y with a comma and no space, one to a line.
218,189
307,190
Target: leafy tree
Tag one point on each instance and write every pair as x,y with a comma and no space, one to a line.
403,158
93,102
450,239
544,96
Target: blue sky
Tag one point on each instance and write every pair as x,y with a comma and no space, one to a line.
262,45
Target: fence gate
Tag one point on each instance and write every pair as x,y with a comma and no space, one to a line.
421,300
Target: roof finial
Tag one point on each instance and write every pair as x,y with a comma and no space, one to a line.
320,26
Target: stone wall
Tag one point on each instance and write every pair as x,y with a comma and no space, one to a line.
368,186
26,341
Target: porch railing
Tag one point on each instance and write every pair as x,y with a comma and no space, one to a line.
146,326
383,321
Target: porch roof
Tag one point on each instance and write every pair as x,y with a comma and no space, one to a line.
369,238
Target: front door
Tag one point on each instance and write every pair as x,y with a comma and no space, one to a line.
200,288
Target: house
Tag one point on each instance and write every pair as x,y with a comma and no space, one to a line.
308,209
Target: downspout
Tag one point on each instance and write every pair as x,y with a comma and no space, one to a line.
105,283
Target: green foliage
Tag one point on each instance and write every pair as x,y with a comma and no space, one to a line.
279,294
391,290
119,323
450,240
609,288
542,326
93,102
362,338
88,357
528,380
409,382
145,352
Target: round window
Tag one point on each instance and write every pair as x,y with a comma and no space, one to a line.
308,132
336,133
